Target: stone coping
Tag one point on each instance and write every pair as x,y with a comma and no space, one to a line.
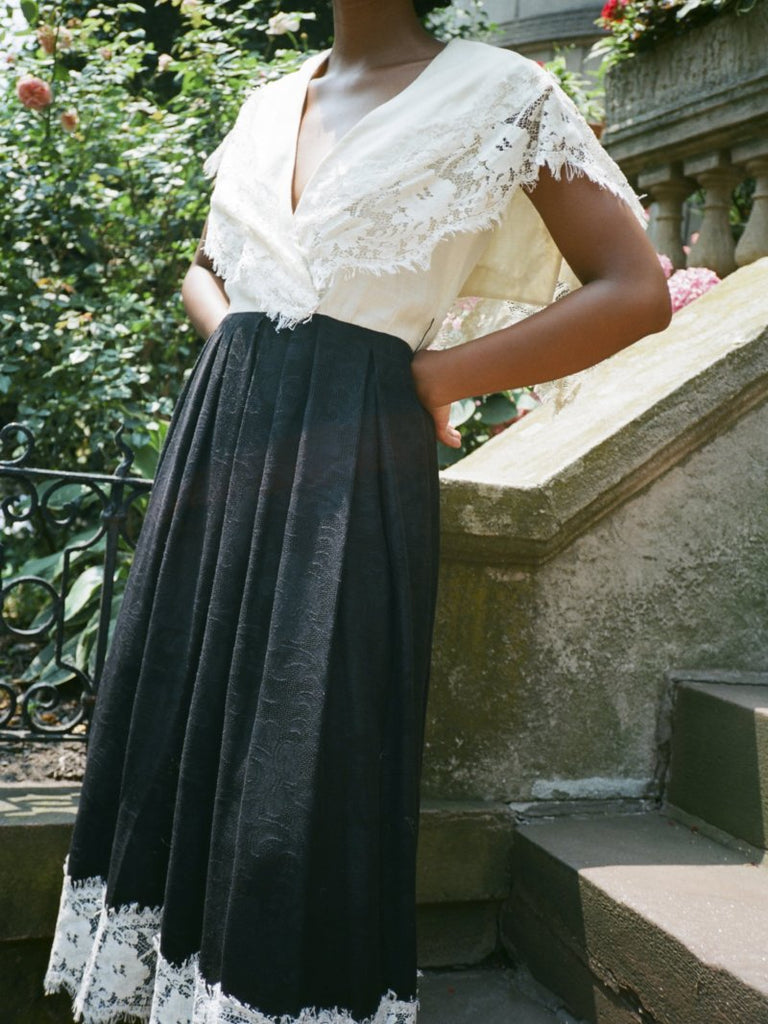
607,432
709,88
38,803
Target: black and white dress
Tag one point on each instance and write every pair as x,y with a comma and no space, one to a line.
244,851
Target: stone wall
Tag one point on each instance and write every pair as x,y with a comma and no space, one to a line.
615,534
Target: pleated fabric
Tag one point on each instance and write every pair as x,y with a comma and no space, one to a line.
244,849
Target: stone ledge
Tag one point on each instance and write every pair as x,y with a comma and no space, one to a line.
464,852
610,431
708,86
464,855
547,28
51,803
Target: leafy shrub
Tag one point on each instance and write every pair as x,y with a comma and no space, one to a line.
104,202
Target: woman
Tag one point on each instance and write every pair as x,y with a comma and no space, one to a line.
245,845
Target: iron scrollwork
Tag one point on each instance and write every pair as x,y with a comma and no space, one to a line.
57,502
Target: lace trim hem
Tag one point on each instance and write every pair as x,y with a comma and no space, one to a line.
109,960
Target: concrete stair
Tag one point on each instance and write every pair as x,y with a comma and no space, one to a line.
719,757
660,917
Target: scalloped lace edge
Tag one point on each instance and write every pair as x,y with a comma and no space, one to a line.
109,961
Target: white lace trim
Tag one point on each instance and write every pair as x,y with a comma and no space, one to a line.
450,179
109,960
79,911
212,1006
387,210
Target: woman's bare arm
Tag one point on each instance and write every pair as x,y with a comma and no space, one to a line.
623,298
202,292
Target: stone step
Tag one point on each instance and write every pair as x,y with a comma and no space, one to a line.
495,995
637,919
719,757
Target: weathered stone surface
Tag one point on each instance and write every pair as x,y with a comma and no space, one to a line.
463,871
464,853
610,428
548,674
707,89
456,934
22,999
35,826
479,997
643,909
719,763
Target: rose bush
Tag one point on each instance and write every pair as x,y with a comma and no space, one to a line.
102,203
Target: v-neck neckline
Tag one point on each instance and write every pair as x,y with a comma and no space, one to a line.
312,65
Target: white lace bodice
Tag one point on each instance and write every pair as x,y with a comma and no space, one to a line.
422,201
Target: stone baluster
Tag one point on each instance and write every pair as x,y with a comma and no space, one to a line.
715,245
753,244
668,189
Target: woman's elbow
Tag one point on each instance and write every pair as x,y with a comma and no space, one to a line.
656,305
645,300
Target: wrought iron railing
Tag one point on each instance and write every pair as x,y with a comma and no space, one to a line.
91,513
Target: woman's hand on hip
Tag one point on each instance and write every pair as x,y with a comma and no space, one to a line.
424,367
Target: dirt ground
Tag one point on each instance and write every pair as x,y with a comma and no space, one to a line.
40,761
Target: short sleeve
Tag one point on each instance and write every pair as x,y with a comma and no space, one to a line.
521,262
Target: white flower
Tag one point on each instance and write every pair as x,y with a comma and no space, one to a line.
281,22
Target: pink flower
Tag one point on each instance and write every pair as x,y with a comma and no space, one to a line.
49,40
34,93
687,285
70,119
164,61
666,265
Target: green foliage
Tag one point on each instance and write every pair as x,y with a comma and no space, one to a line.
588,94
105,199
469,19
103,204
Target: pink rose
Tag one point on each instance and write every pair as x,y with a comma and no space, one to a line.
49,40
70,119
34,93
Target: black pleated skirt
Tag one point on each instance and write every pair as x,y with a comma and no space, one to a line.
244,850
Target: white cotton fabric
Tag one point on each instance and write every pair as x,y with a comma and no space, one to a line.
422,201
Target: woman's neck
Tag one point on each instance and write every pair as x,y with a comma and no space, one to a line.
372,33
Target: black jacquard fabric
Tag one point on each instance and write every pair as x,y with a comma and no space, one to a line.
255,755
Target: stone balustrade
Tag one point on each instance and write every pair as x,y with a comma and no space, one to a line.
691,115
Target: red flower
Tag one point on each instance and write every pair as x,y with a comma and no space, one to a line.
613,10
34,93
